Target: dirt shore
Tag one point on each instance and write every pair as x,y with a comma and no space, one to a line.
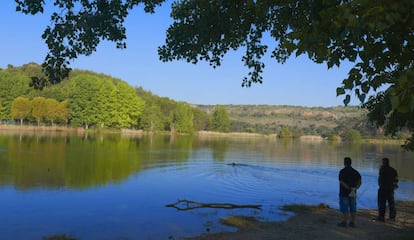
319,222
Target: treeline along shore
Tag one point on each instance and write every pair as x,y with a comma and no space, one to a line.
88,100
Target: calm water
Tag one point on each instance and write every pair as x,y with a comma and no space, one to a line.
113,187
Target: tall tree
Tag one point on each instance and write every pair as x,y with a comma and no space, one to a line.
21,108
39,109
182,119
285,132
352,135
51,110
1,109
202,121
151,118
83,94
106,103
12,85
129,106
221,120
63,111
30,69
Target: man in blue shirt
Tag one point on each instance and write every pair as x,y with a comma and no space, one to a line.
349,182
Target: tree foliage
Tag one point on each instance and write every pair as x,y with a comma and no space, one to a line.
39,109
152,119
106,103
63,112
87,99
83,96
285,132
383,115
51,110
202,120
100,102
221,120
182,119
352,135
130,106
12,85
167,107
21,108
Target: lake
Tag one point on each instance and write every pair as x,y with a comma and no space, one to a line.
116,187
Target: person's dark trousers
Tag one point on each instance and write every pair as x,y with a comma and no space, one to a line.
385,196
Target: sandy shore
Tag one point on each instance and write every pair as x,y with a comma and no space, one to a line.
319,222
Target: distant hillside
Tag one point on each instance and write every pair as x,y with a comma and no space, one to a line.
302,120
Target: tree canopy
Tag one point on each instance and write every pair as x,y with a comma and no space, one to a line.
221,120
376,36
20,108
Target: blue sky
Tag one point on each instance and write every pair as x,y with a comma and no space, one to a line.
298,82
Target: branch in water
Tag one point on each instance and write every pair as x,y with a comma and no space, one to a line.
184,205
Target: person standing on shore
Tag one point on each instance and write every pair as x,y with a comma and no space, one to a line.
388,182
349,182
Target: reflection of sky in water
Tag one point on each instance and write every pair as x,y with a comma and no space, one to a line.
135,208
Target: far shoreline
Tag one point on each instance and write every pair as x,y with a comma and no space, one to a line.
57,130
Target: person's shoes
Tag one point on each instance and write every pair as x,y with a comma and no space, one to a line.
342,224
392,219
352,224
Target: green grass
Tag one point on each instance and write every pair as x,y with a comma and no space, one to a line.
242,222
302,208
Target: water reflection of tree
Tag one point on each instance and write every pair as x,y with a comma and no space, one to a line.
78,163
219,148
180,148
286,142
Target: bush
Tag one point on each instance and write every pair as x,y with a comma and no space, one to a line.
352,135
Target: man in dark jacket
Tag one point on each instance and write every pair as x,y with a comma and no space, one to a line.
387,181
349,182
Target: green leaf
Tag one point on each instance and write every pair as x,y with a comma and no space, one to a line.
348,83
365,87
330,64
340,91
362,97
347,99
